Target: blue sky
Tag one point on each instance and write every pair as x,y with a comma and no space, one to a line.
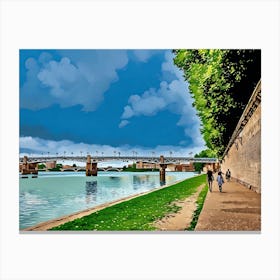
105,101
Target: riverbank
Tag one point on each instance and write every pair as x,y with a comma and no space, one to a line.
133,213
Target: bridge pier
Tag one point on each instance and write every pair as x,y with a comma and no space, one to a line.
91,167
29,167
162,171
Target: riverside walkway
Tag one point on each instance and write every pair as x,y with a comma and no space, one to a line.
235,209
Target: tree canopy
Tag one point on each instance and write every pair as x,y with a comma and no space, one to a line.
221,83
203,154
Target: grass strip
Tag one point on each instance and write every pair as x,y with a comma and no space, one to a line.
138,213
199,202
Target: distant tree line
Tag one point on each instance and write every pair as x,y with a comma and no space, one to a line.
198,166
221,83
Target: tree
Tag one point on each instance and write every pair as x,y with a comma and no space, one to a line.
203,154
221,83
41,166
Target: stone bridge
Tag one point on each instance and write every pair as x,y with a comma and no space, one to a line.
91,168
150,159
110,169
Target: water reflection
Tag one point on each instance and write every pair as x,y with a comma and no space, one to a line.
115,178
162,182
53,195
91,191
143,180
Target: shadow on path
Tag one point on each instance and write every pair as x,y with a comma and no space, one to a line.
235,209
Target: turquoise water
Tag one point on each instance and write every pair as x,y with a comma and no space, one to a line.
55,194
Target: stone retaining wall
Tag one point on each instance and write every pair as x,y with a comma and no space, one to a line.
243,154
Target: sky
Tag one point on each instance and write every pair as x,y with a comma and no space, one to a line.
108,102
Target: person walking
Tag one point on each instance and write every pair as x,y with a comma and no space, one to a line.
210,179
220,180
228,174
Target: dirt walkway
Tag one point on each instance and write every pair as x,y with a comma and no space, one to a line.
235,209
182,219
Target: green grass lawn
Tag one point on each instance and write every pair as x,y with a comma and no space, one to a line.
138,213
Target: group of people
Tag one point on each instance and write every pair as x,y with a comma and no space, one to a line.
220,179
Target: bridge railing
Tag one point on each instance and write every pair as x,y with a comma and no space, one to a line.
125,158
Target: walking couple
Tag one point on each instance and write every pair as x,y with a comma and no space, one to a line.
210,179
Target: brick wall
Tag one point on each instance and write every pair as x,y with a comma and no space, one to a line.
243,156
50,164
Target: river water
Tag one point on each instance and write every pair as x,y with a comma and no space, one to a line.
55,194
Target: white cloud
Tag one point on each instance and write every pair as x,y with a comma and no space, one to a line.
83,77
148,104
128,112
57,75
144,55
45,57
123,123
172,96
50,147
169,66
79,77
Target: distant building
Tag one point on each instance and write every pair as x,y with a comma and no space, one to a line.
212,166
67,166
170,167
50,164
185,167
146,165
28,167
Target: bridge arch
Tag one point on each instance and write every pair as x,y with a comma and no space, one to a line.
80,169
68,169
110,169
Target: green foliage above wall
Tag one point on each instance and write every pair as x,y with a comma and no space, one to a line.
221,83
